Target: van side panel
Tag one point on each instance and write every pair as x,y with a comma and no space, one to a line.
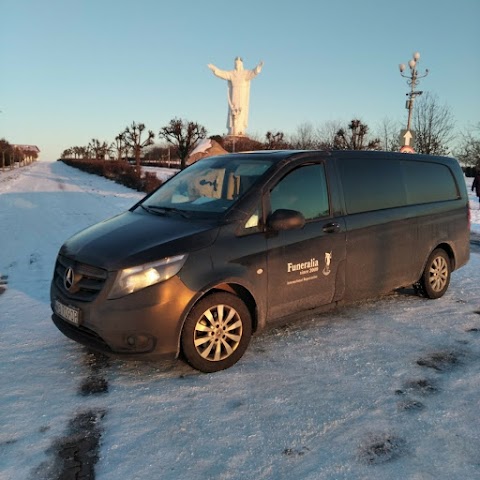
444,223
399,208
380,256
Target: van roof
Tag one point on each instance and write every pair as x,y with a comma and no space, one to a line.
280,155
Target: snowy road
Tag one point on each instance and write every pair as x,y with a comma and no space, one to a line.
379,390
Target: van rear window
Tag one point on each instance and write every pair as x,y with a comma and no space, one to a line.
387,183
428,182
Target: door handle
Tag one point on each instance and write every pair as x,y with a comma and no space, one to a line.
331,227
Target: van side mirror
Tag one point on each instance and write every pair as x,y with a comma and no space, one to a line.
283,219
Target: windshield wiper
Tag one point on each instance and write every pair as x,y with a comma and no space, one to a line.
165,210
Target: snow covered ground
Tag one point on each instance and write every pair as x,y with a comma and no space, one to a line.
162,173
387,389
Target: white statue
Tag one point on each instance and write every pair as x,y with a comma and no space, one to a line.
238,94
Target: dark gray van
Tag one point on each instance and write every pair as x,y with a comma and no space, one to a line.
235,242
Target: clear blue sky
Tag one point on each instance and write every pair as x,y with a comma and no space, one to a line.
73,70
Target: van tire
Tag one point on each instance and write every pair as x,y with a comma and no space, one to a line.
216,332
436,275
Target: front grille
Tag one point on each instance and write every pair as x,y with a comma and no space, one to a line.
89,280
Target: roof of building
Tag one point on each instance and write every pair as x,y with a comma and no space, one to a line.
28,148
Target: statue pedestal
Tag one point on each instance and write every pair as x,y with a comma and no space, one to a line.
234,138
233,141
240,143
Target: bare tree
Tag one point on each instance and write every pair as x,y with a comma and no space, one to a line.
304,137
120,146
433,124
99,149
85,152
326,134
17,156
76,152
275,141
388,132
184,136
357,138
6,149
133,140
67,153
469,149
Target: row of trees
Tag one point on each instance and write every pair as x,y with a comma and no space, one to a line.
433,124
11,154
131,142
183,136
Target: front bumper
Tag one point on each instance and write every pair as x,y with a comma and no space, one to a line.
145,324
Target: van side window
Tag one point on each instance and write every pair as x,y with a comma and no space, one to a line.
429,182
370,185
304,190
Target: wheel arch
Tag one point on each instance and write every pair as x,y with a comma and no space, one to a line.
424,286
447,248
449,251
241,292
214,341
234,288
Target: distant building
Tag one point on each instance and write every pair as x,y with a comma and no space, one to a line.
30,153
28,150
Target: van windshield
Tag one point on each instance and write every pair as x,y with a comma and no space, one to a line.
210,186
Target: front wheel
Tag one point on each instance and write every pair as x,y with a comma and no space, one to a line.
436,275
216,332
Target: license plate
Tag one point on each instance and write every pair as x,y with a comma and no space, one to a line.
70,314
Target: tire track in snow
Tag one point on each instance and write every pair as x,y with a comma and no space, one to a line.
75,454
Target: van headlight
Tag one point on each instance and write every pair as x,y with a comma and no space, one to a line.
132,279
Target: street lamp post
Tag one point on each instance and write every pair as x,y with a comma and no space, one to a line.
413,80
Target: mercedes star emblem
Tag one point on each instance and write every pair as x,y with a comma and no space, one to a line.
69,278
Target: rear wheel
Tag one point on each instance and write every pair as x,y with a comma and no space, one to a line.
216,332
436,275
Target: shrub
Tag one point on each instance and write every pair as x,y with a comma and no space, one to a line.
151,182
118,171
